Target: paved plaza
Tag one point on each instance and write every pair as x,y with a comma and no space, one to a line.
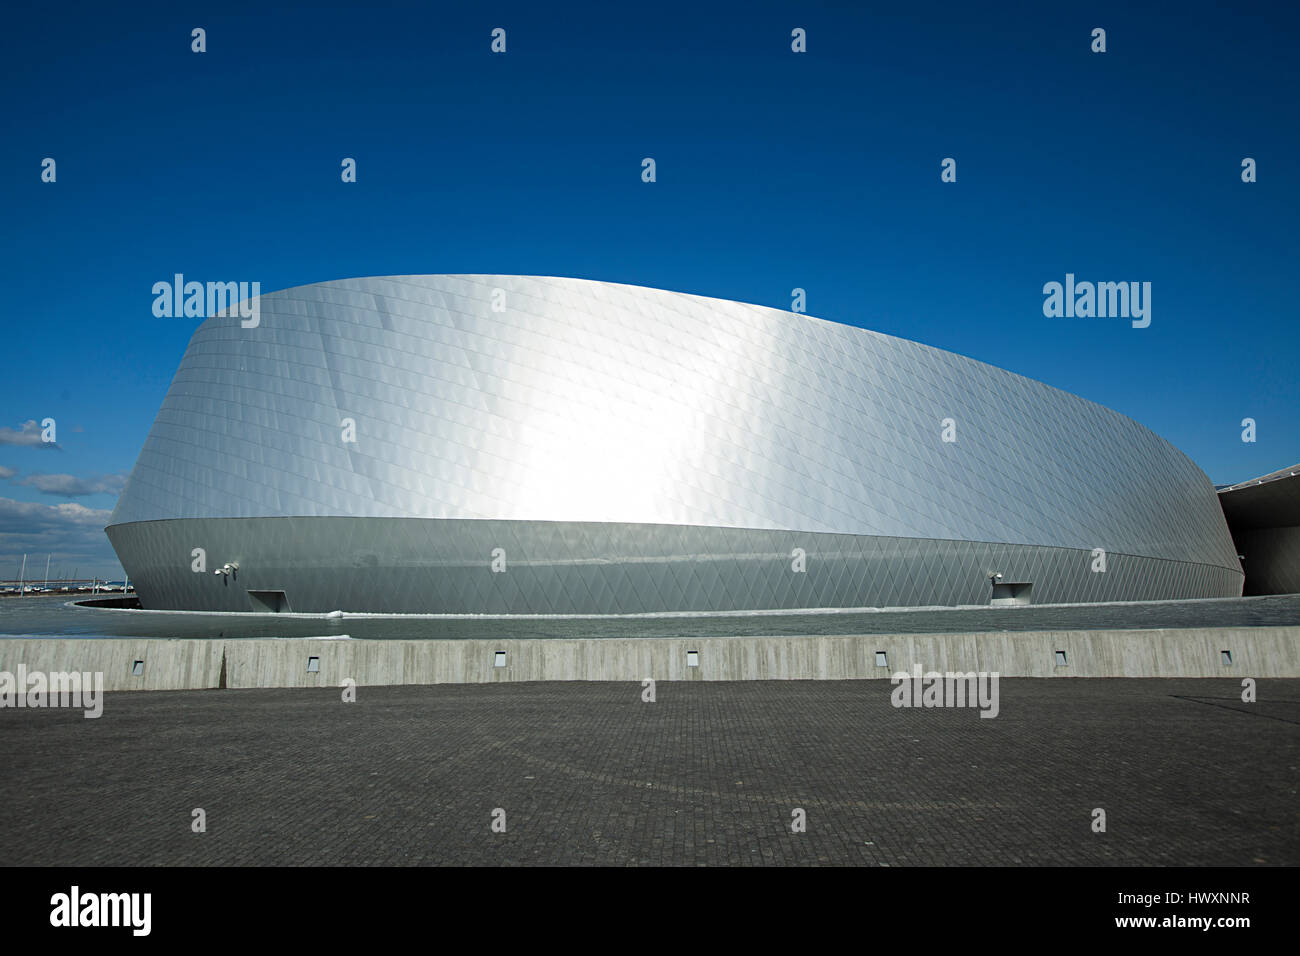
707,774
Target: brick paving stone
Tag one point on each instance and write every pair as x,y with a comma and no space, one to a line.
588,774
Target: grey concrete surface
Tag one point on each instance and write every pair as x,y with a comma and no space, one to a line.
708,774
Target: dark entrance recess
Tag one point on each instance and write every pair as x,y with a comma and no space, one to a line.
274,601
1010,594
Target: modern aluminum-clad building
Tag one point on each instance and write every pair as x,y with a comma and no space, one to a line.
511,444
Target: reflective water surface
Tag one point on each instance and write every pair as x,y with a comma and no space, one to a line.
56,617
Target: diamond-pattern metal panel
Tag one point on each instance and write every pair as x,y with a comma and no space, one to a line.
404,565
657,417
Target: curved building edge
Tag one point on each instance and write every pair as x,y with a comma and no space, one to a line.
458,566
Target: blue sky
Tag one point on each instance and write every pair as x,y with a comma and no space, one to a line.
775,170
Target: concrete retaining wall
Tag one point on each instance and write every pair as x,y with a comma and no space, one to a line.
190,664
167,664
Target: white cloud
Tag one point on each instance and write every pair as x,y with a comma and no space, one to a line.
70,486
73,533
31,517
28,434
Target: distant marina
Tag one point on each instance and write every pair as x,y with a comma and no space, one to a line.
85,586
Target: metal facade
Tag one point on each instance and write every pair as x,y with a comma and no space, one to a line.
629,450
